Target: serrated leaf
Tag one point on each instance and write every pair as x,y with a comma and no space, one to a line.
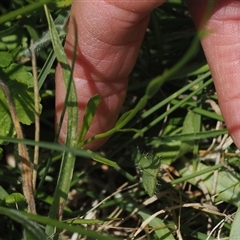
19,82
5,59
19,73
23,98
149,166
24,102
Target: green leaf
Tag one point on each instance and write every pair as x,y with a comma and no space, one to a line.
28,225
71,104
3,193
16,51
23,10
20,84
13,40
97,157
63,3
24,102
61,225
89,114
19,73
5,59
155,84
188,127
235,230
149,166
227,185
127,116
15,200
6,128
122,121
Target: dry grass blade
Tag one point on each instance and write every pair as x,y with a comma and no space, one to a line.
201,207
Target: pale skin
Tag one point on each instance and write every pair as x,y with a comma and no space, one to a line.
109,37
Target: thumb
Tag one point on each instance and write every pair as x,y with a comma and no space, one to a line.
109,37
221,47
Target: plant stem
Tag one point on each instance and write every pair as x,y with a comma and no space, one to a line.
37,120
68,159
23,153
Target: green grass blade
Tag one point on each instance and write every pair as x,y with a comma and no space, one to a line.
61,225
31,227
175,95
24,10
205,170
46,68
198,110
161,117
226,191
56,147
235,230
103,160
68,160
152,88
186,137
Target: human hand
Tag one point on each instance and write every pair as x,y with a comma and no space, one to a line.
109,37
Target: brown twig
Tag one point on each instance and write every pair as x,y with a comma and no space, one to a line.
23,153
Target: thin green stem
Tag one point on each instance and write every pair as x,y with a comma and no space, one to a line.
22,11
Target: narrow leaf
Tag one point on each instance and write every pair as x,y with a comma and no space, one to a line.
89,114
188,127
68,159
28,225
61,225
235,230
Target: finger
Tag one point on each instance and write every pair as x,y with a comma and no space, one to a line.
222,49
109,37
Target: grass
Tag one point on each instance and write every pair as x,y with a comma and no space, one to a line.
170,170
